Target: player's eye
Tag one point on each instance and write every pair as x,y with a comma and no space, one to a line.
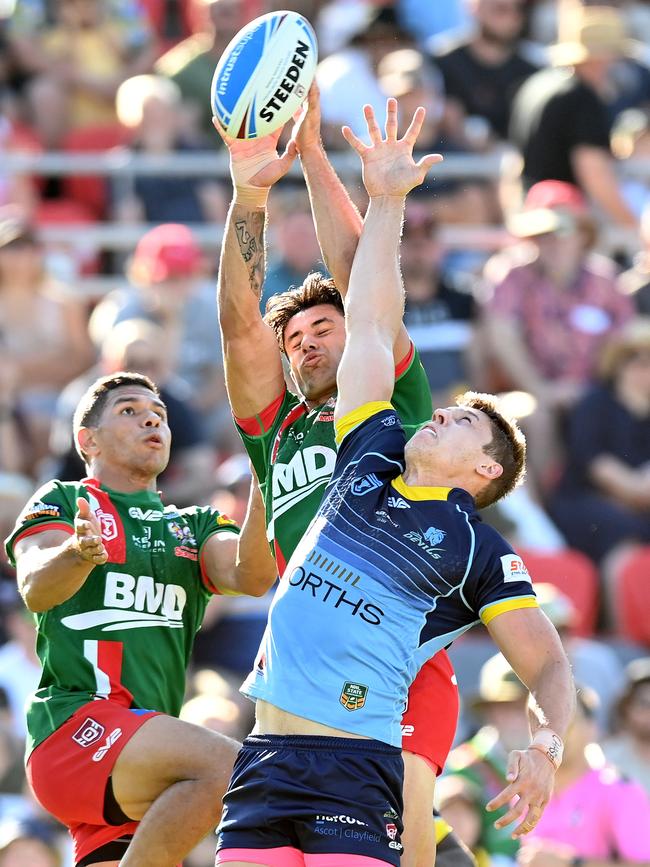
127,410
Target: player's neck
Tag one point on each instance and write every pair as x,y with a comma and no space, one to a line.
318,400
124,481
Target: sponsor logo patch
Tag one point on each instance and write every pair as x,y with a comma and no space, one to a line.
384,518
88,732
224,521
353,695
514,569
108,524
41,510
391,830
114,736
188,553
182,532
428,541
398,503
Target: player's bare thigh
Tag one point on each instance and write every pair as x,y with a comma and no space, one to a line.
162,752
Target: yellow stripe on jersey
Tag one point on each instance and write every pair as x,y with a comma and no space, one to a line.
419,492
442,828
491,611
355,417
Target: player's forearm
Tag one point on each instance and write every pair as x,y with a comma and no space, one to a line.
50,576
376,291
255,568
552,692
337,220
241,269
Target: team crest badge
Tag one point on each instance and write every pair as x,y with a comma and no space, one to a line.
108,525
353,695
365,484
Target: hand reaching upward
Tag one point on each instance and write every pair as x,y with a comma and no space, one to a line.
388,165
255,162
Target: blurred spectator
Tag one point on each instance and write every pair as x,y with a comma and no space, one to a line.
560,121
20,670
15,189
170,287
629,748
293,247
551,310
595,814
139,346
191,63
631,140
151,107
78,59
28,843
460,803
425,20
603,501
594,663
43,333
501,706
636,281
438,315
483,70
347,79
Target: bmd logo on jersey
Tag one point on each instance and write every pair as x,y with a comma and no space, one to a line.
361,487
514,569
353,695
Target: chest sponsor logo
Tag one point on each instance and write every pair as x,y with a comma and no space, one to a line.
353,695
182,532
514,569
397,503
133,603
145,514
329,590
89,732
428,541
307,471
364,485
113,737
384,518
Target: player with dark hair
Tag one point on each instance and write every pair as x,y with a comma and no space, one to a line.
375,589
290,439
119,584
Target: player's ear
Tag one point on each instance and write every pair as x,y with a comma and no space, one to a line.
489,469
87,441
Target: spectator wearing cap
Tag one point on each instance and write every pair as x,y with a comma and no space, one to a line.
483,69
150,106
629,748
168,285
501,707
595,816
560,122
602,504
43,335
553,305
138,345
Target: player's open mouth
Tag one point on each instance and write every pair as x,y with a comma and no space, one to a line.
154,440
312,359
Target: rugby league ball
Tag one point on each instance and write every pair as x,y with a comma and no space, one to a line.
264,74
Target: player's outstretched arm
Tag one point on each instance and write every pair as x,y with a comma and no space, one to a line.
533,648
336,218
252,361
374,303
242,564
52,565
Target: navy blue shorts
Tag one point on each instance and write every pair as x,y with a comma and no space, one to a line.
313,795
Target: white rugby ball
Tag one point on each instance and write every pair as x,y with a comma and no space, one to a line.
264,74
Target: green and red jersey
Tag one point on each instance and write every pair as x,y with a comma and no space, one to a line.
293,450
127,633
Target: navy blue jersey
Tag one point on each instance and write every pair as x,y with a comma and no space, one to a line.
386,575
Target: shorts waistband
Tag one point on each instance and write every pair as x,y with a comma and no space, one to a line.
319,742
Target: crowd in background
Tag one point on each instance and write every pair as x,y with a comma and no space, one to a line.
554,315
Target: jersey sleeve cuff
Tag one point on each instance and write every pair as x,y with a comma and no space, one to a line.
258,425
205,579
402,366
355,417
493,609
31,531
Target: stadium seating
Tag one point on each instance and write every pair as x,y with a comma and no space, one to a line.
90,190
633,599
575,575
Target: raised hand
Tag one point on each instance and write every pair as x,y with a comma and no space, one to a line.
88,534
306,129
388,165
255,162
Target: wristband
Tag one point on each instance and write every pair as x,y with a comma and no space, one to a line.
242,171
249,196
550,744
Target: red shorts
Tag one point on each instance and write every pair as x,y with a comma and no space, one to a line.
69,771
429,722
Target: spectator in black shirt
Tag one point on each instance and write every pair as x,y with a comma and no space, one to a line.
560,121
483,71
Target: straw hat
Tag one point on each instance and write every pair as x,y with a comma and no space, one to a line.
590,32
550,206
634,337
498,683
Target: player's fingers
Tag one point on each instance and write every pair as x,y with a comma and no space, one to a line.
504,797
429,161
353,141
391,119
83,508
288,156
371,122
532,818
513,766
217,125
413,131
83,528
514,813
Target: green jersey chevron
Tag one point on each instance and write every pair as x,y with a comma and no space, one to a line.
128,631
293,450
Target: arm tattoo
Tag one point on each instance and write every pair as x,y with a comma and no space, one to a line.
250,237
